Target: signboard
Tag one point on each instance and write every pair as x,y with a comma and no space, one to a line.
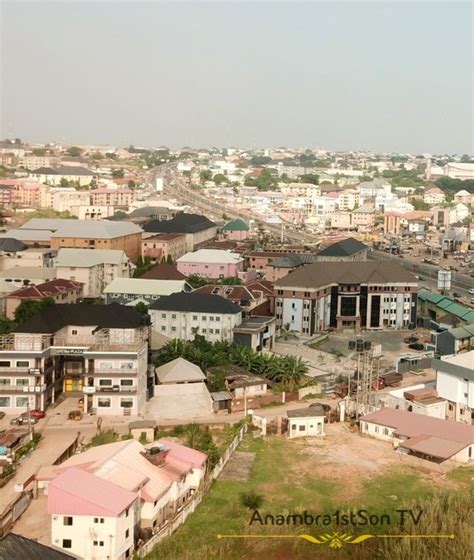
67,351
444,279
88,390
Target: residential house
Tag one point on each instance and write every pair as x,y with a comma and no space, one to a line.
163,271
341,220
14,253
306,422
130,291
183,315
87,234
253,301
100,351
257,333
62,199
32,161
434,195
54,176
339,295
348,199
432,439
61,291
363,217
198,229
283,265
463,197
392,223
164,246
259,260
235,230
21,276
349,249
421,399
95,269
17,547
455,383
179,371
211,263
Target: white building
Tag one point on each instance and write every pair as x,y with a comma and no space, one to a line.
183,315
434,196
95,269
455,383
128,290
306,422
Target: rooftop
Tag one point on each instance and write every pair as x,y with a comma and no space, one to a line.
179,371
104,229
344,248
149,287
85,258
235,225
199,303
181,223
326,273
16,547
309,412
47,289
211,256
11,245
163,271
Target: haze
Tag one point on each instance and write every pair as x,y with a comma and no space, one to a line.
381,76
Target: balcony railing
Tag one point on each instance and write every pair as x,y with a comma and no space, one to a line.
116,389
112,371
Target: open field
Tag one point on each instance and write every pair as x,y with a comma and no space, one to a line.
342,472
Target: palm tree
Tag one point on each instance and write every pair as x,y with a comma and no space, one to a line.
286,332
292,370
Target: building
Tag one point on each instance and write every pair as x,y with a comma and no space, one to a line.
62,199
183,315
455,383
257,333
16,547
53,176
392,223
95,269
421,399
179,371
198,229
306,422
98,351
87,234
32,161
259,260
286,263
14,253
436,310
349,249
461,171
105,500
164,246
252,300
163,271
434,196
454,340
211,263
59,290
423,437
21,276
463,197
339,295
363,217
131,290
235,230
121,198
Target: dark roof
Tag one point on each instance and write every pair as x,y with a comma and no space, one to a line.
344,248
181,223
47,289
151,212
200,303
16,547
66,170
56,316
326,273
306,412
11,245
293,260
163,272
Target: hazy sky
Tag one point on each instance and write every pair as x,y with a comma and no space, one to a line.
373,75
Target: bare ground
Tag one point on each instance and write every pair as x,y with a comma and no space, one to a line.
238,467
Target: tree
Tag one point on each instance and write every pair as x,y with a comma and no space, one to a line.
117,173
260,160
420,204
39,152
287,332
31,307
310,178
205,175
131,184
74,151
141,307
219,178
169,259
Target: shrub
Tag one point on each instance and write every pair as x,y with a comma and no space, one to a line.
251,500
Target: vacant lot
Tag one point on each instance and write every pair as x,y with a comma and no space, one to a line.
344,471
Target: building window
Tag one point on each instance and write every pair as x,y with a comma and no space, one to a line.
173,315
22,382
104,403
105,382
126,382
302,428
23,364
126,403
127,533
5,382
217,331
4,402
21,402
173,329
67,543
5,364
218,319
98,543
74,331
163,315
98,519
204,330
195,317
163,328
67,520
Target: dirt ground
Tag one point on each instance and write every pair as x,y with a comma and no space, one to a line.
238,467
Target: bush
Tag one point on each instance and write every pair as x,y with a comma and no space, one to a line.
251,500
109,436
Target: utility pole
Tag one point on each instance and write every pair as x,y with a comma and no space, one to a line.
28,415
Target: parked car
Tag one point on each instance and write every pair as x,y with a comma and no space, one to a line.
325,407
456,295
38,414
22,421
416,346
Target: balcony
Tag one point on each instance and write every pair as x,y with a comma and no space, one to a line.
129,389
34,388
116,372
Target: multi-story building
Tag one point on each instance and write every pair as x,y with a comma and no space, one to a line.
211,263
348,199
301,189
434,196
89,234
23,257
95,269
26,194
128,290
198,229
32,161
340,295
53,176
455,383
183,315
97,351
59,290
164,246
112,197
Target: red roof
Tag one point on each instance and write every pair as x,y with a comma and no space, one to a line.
192,457
163,272
51,288
78,492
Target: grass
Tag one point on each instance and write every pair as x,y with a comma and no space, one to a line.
281,475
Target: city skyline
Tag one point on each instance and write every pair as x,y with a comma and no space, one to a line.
354,76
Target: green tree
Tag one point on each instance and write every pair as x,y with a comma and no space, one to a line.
420,204
287,332
205,175
40,152
169,259
74,151
309,178
118,173
131,184
31,307
260,160
141,307
219,178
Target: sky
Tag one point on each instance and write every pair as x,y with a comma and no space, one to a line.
383,76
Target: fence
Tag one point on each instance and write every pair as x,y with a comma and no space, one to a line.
14,511
181,517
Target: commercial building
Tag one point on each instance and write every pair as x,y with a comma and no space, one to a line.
183,315
436,310
211,263
53,176
454,340
257,333
340,295
97,351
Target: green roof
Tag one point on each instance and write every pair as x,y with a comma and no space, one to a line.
236,225
449,305
425,294
462,332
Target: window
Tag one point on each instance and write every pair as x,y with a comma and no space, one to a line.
126,382
22,382
67,543
173,315
204,330
126,403
74,331
5,364
173,329
211,318
127,532
127,365
211,331
126,515
105,382
163,328
204,318
163,315
23,364
104,403
4,402
302,428
21,402
195,317
105,365
4,381
98,519
217,331
67,520
98,543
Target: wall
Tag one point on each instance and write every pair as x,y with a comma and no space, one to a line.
306,427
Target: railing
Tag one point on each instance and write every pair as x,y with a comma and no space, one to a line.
112,371
69,345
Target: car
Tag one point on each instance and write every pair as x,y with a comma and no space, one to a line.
416,346
456,295
38,414
325,407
